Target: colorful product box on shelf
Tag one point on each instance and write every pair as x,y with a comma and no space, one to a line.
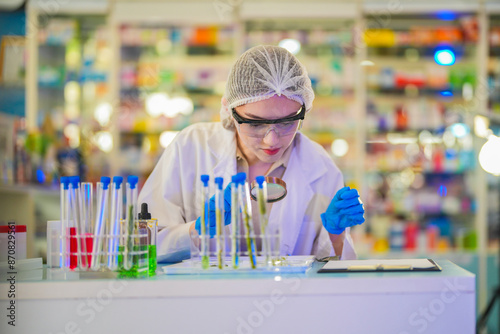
58,31
494,36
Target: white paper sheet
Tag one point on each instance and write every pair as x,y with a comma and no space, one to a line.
374,264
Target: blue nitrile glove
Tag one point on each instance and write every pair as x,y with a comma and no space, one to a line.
345,210
227,212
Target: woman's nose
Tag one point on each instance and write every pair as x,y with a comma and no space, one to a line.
271,138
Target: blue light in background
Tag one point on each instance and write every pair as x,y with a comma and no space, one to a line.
40,176
442,191
444,56
446,15
446,93
450,154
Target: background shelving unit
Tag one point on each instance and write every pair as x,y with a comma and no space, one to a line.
191,55
167,63
377,89
420,157
493,113
70,74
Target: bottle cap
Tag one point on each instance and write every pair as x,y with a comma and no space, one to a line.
105,180
242,177
260,181
204,179
117,180
219,181
74,181
132,180
65,182
144,214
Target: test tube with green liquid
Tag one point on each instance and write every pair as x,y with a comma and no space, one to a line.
246,210
219,207
264,219
204,219
131,197
235,222
153,227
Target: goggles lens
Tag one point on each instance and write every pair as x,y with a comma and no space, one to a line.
260,128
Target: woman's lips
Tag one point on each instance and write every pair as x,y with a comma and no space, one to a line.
272,152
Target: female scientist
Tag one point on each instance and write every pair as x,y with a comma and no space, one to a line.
268,93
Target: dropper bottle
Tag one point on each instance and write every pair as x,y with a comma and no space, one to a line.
145,222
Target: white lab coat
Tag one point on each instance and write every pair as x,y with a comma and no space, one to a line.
172,191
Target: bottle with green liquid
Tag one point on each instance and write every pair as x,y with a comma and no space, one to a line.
151,225
144,247
134,248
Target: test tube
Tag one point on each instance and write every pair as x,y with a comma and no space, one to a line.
246,210
235,222
131,197
219,214
87,200
86,193
100,220
204,222
75,205
116,216
263,217
64,243
71,234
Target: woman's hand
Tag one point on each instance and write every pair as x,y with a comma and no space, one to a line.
345,210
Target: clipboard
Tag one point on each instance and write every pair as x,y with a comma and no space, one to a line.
382,265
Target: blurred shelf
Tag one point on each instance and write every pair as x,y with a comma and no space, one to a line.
51,86
453,253
30,188
425,51
422,62
13,85
61,46
183,59
136,91
446,174
494,51
376,137
422,91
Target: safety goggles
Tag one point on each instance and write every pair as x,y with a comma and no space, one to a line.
259,128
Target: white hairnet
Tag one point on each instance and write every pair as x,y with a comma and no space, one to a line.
262,72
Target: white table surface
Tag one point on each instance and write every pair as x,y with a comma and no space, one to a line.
391,302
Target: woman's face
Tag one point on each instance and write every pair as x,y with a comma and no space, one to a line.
271,147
